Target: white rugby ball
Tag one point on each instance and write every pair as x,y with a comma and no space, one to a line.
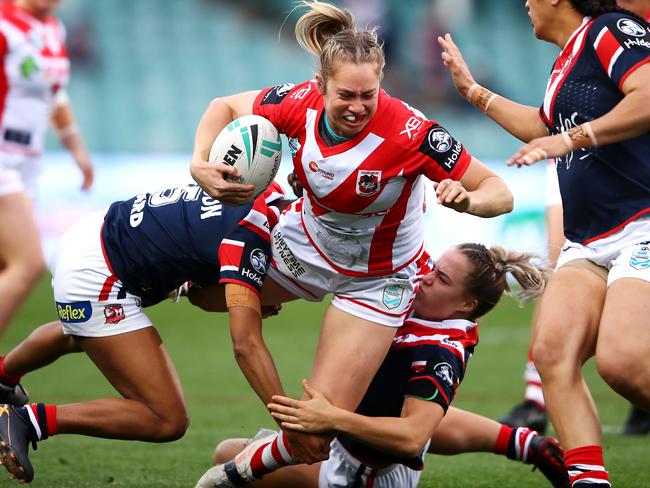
252,145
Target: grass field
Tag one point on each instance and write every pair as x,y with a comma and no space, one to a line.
222,405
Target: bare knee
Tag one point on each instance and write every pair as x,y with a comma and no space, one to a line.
25,271
548,356
173,427
226,450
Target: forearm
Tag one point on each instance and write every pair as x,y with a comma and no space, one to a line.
67,130
491,198
522,121
630,118
393,435
216,117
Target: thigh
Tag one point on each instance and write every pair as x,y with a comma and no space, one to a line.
569,314
19,236
349,352
625,323
138,366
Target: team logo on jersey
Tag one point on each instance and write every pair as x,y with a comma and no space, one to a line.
392,296
368,182
114,313
445,372
641,258
275,95
631,28
259,260
440,140
74,313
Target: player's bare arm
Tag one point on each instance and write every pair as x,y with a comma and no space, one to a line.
403,436
629,118
522,121
212,176
480,192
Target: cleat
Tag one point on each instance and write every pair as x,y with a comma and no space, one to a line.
237,471
546,455
13,395
638,422
15,437
527,414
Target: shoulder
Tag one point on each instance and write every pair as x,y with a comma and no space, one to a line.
621,26
400,122
288,92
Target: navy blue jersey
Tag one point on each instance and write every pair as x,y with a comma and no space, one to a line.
155,242
602,188
427,360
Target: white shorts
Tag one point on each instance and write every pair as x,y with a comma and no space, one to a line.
342,470
89,298
625,254
385,300
18,173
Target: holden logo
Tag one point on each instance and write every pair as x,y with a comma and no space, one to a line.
313,166
439,140
631,28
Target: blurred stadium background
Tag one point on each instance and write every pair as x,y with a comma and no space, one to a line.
143,73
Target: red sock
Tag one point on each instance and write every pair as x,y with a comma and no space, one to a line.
7,379
586,467
43,419
501,446
271,456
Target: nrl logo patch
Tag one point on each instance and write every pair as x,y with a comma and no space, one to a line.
392,296
641,258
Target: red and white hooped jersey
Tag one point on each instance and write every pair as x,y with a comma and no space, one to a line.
35,65
363,205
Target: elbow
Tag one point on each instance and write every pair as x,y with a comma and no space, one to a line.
412,447
509,203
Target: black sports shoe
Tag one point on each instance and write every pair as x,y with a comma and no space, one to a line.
15,436
527,414
638,422
545,454
13,395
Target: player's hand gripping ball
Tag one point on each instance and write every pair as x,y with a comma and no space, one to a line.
252,145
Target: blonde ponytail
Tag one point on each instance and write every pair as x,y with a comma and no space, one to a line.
527,269
329,33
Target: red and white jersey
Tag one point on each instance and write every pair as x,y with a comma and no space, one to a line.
35,65
363,205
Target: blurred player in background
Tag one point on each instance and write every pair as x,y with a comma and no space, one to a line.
407,406
361,157
532,411
596,303
35,71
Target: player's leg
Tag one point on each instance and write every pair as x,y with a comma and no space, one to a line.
566,338
461,431
298,476
152,407
21,257
42,347
623,352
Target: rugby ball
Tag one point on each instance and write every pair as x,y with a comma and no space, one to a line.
252,145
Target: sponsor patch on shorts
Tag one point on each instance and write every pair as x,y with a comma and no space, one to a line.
74,313
392,296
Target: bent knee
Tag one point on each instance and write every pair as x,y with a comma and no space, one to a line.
25,271
172,429
621,372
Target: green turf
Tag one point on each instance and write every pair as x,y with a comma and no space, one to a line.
221,404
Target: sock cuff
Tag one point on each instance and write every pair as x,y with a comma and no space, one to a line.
584,455
50,416
5,377
501,445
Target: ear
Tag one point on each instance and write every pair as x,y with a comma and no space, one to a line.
468,306
321,83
